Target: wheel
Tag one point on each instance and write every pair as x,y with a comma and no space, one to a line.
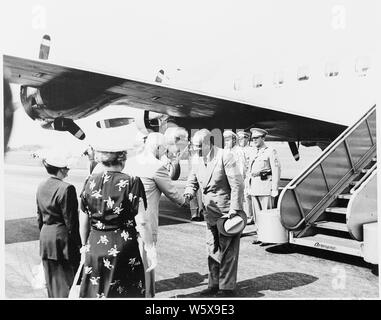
374,269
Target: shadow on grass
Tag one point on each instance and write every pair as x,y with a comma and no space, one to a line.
21,230
279,281
288,248
183,281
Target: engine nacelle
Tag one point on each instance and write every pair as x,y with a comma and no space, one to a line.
31,101
36,109
147,121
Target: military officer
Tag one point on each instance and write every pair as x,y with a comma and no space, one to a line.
230,140
263,174
243,154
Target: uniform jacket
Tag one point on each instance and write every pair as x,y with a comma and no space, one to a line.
155,178
220,181
243,155
57,211
265,158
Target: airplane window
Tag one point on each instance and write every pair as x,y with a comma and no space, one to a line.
303,73
362,66
257,81
237,84
278,79
331,69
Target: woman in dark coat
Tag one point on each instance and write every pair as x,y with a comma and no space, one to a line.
110,203
57,209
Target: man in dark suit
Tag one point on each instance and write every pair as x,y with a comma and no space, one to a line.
217,174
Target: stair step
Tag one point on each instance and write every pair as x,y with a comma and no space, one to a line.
331,225
330,243
340,210
344,196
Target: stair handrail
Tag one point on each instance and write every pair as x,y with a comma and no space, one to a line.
363,178
327,152
332,147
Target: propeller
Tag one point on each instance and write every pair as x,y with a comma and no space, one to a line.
65,124
294,150
114,122
44,48
161,77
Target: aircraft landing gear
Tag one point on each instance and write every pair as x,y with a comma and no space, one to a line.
374,269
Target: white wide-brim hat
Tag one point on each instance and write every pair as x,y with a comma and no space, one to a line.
232,226
108,140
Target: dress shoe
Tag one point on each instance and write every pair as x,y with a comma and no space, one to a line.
264,244
209,292
225,293
250,221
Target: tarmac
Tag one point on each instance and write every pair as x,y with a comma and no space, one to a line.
275,271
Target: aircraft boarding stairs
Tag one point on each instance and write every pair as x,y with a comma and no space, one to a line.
328,204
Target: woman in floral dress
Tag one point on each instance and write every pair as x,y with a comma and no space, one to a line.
110,200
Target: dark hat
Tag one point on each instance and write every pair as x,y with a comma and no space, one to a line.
257,132
232,226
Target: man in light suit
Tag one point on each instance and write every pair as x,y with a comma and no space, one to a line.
155,178
263,174
217,174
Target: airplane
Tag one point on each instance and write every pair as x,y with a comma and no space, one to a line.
47,96
302,103
303,71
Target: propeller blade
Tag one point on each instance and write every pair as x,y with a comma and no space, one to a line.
44,48
65,124
113,123
160,76
294,150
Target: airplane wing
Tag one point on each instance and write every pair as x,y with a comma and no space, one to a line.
51,91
